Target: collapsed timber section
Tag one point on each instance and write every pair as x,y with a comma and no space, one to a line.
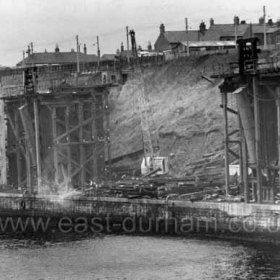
54,141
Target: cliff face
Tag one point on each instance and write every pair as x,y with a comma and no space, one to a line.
184,110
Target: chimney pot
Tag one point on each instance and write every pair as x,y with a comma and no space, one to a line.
270,22
162,28
202,27
236,20
56,48
85,49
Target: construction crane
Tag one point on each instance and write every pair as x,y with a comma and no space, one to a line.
152,163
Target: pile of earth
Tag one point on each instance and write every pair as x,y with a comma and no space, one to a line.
184,111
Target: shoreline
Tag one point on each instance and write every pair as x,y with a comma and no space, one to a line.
99,215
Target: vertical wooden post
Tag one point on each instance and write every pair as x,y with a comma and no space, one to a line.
257,139
278,126
241,163
224,102
37,142
82,154
3,140
28,167
17,147
108,140
29,131
67,126
102,134
245,172
29,146
55,149
94,139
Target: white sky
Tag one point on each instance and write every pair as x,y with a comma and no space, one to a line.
47,22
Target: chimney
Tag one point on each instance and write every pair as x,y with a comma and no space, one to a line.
243,22
149,46
202,27
236,20
28,51
270,22
261,20
85,49
72,50
122,47
211,22
56,48
162,29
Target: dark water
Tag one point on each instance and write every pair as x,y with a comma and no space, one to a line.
137,257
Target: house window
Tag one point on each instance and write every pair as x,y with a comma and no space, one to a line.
277,39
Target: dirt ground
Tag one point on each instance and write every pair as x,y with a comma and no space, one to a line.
184,111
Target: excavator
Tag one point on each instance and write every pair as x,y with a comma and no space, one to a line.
152,163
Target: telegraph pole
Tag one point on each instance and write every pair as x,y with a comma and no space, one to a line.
98,51
23,58
235,30
187,31
264,29
127,43
31,45
78,51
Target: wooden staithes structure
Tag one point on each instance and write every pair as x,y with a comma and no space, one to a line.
255,83
55,140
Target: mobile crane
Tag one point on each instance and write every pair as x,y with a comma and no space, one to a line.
152,163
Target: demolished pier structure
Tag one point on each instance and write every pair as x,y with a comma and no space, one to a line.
53,138
255,82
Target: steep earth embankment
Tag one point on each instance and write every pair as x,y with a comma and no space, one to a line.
184,109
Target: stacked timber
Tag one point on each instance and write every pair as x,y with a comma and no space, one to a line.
210,170
134,189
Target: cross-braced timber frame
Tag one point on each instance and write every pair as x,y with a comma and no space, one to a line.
56,140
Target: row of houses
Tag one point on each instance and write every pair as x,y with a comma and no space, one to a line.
217,36
62,58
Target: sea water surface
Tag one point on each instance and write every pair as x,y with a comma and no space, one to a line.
137,257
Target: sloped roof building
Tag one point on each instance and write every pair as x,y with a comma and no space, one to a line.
225,32
167,40
56,58
272,33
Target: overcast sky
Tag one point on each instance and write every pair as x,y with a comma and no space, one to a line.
47,22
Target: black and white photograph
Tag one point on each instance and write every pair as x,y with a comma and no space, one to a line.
139,140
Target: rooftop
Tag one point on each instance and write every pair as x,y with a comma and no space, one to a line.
210,44
179,36
258,28
42,58
216,31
